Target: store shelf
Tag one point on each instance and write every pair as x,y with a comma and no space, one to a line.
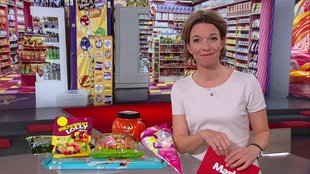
145,41
166,60
248,32
5,45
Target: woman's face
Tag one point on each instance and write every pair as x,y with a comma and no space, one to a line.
205,44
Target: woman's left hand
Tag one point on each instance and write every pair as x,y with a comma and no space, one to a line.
242,157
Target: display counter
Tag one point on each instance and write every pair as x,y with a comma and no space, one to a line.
270,164
282,163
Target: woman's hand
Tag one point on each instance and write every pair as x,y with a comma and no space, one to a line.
219,141
242,157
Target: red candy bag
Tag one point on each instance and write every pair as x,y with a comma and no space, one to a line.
71,137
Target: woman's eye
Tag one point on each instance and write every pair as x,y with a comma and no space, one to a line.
195,40
214,38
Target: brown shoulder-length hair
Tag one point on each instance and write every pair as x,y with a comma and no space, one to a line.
202,16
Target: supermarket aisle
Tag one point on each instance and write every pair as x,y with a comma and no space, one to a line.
11,84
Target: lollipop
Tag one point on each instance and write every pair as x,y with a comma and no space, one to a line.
159,140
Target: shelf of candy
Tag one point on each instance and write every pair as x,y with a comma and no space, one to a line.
155,59
21,31
20,16
33,55
33,46
12,19
256,8
239,30
3,23
171,66
5,61
254,40
14,48
50,28
19,3
45,3
243,19
5,58
145,34
253,64
253,48
3,3
241,66
171,16
171,75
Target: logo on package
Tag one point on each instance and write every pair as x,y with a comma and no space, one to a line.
98,88
108,54
108,100
98,43
87,81
107,44
108,65
107,76
99,77
99,98
99,66
107,87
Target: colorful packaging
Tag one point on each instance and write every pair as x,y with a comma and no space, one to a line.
71,136
115,145
40,144
160,141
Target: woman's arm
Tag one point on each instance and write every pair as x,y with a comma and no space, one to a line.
260,128
243,157
187,143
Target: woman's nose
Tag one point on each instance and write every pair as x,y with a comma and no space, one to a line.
206,45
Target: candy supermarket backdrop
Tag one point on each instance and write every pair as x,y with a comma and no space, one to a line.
300,53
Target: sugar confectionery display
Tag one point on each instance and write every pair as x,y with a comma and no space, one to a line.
74,146
247,42
5,56
168,19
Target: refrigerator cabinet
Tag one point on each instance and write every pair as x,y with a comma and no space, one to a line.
131,84
48,90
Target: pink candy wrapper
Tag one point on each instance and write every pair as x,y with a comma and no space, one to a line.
159,140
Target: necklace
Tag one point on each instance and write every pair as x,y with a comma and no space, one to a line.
212,92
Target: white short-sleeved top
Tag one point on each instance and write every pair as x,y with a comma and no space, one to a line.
226,111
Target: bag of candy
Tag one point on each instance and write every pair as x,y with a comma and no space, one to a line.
40,144
115,145
71,136
159,140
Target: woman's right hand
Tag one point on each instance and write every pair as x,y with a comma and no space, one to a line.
218,141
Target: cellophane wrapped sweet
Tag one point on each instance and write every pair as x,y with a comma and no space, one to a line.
40,144
115,145
160,141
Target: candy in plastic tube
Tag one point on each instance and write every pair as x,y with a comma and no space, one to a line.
160,141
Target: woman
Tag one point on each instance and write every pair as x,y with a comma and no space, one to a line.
215,106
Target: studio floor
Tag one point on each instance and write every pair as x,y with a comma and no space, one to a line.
11,84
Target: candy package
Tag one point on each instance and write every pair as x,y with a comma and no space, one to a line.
40,144
115,145
71,136
160,141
